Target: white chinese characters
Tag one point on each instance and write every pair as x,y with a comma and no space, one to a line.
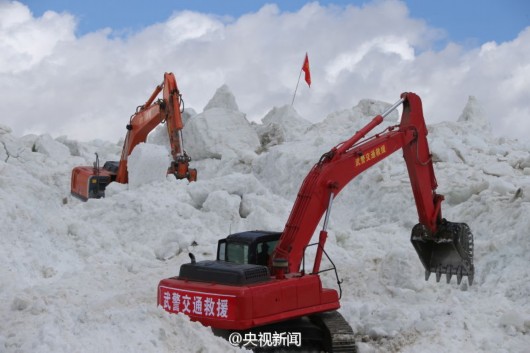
196,304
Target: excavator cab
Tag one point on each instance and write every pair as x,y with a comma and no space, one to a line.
90,182
449,251
254,247
240,260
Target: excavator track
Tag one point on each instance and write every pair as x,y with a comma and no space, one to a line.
339,335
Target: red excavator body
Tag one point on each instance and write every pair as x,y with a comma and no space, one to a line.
90,182
242,290
246,306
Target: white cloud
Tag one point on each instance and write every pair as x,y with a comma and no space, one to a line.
26,40
87,87
350,61
189,26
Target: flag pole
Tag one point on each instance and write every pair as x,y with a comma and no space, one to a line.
305,68
296,89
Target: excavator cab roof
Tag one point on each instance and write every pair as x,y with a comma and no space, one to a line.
253,236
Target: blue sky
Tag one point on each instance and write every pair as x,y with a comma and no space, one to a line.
468,22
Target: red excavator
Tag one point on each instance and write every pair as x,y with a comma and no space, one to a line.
90,182
258,283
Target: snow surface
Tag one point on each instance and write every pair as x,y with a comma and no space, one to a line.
82,276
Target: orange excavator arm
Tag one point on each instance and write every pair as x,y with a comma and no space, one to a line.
147,117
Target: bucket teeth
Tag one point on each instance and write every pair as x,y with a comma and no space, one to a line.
459,275
449,273
470,278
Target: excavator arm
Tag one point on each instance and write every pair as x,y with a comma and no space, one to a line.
174,125
90,182
443,247
147,117
141,124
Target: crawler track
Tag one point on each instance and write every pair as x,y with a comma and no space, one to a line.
338,333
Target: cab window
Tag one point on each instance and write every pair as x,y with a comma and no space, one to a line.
237,252
264,251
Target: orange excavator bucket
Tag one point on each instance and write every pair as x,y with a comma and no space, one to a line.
448,251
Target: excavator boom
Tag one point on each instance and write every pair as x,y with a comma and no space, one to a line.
441,248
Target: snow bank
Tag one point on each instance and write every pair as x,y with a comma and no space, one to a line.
82,276
46,145
346,122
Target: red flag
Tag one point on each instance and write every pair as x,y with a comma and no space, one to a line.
305,68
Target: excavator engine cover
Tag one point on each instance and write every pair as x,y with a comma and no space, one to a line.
224,272
449,250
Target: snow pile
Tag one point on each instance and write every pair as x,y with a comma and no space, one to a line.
224,99
473,113
281,125
282,169
147,164
46,145
82,276
350,120
210,133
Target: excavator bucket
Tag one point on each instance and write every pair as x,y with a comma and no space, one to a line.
449,251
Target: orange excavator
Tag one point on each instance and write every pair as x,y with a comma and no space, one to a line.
91,181
258,285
